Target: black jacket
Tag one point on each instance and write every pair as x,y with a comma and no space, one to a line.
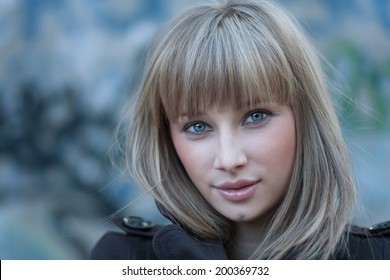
142,240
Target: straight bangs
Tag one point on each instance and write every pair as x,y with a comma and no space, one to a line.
221,60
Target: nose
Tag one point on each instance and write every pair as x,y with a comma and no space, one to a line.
230,154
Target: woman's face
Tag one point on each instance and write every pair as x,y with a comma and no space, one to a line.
240,161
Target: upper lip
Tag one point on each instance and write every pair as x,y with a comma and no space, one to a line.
237,184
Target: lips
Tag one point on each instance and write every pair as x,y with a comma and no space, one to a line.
237,191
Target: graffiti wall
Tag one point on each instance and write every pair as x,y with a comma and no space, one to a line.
67,68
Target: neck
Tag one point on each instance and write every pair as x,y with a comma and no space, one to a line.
245,239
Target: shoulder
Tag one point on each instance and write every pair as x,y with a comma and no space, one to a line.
133,242
371,243
142,240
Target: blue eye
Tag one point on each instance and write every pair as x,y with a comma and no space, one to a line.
255,117
197,128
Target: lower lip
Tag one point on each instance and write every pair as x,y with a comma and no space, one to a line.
237,195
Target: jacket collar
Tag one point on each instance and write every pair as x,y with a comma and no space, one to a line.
171,242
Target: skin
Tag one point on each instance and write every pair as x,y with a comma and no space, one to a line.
220,147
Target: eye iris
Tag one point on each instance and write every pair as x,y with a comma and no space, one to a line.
199,127
257,116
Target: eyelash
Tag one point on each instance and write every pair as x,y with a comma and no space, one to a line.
264,113
190,125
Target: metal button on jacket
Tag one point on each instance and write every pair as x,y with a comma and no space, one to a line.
134,222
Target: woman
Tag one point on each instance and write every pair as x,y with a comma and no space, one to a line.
234,134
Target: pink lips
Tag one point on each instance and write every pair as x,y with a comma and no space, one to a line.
237,191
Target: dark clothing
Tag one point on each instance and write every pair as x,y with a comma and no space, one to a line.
156,243
368,243
143,241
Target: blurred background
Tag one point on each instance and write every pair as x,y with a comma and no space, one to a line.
67,68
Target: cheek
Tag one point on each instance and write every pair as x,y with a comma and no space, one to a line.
185,156
281,152
181,149
192,155
284,143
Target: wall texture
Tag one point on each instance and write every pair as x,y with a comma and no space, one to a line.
66,68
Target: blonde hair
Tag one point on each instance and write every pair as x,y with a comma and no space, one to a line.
234,54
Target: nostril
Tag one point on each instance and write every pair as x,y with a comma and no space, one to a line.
230,162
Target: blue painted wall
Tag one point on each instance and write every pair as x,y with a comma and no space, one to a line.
66,68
